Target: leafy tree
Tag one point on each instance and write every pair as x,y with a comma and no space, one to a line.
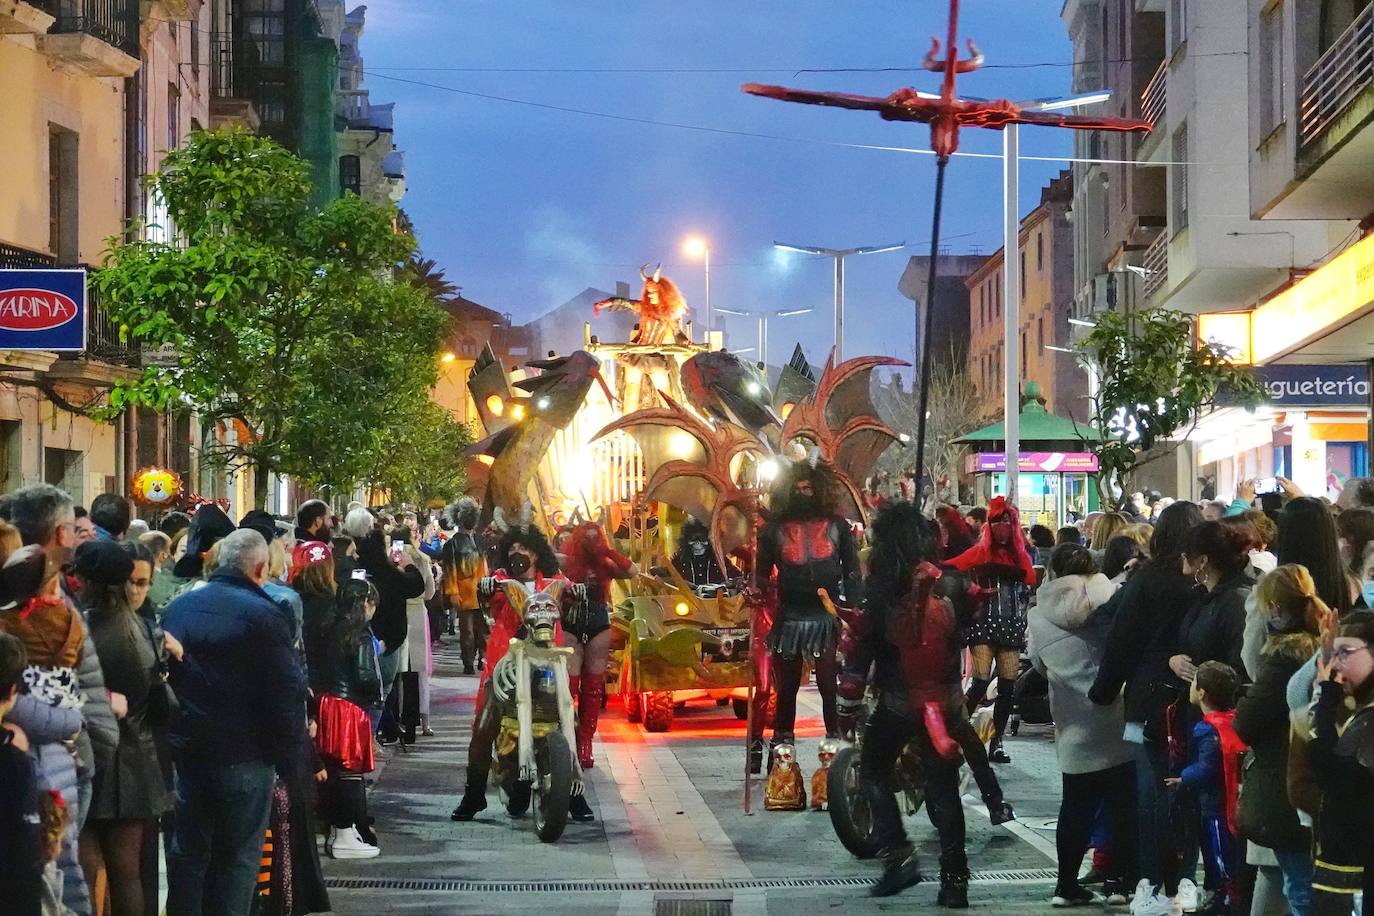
287,321
427,274
421,459
1154,383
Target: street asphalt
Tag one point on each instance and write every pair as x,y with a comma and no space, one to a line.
671,835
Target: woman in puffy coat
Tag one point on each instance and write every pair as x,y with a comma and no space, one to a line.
1294,615
1094,758
130,794
50,711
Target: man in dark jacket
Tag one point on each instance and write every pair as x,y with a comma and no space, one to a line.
238,687
313,521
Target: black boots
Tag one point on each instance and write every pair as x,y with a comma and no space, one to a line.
900,871
474,799
953,891
579,810
977,690
996,753
756,756
999,810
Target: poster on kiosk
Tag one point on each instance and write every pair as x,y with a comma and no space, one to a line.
43,310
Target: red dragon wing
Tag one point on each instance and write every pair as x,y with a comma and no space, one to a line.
902,105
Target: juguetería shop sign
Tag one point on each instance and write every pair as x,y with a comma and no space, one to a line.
1338,385
43,310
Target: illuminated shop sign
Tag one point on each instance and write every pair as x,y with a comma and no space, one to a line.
1341,385
1034,462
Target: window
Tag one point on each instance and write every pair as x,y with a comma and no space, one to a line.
1023,274
1271,69
1024,335
63,240
11,455
1124,11
173,117
62,468
1179,173
997,299
1178,23
1040,333
1040,252
195,49
350,175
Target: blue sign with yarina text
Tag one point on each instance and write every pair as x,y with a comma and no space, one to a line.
43,310
1338,385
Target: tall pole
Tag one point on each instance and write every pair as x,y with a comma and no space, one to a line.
839,309
707,251
1011,312
763,340
924,324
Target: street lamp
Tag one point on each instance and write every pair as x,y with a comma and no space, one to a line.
1011,270
763,318
696,247
839,254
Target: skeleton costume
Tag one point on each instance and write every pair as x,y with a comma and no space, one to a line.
696,562
810,548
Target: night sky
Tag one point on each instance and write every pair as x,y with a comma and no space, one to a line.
525,207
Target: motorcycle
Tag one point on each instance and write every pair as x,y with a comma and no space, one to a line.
532,756
850,815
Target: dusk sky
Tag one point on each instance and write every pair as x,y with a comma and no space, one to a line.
526,207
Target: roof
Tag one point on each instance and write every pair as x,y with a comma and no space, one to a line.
1037,425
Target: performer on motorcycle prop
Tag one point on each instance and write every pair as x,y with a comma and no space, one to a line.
589,559
811,547
999,563
908,635
464,566
524,554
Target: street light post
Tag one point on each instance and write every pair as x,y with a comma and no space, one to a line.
1011,282
839,254
763,318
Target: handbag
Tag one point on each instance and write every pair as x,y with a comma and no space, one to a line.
163,705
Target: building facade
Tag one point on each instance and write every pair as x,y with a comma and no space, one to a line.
1046,267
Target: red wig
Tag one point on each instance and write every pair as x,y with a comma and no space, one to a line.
1010,556
588,556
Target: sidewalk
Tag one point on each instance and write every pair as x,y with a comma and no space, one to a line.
670,828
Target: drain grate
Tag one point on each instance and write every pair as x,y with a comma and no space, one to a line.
1030,875
682,906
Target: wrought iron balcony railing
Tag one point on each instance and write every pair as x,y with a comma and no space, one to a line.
114,22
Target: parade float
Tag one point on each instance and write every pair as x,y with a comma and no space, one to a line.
654,436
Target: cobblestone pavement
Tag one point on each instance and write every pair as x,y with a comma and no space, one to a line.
671,834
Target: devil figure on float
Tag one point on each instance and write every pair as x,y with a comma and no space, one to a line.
661,309
811,547
908,635
593,562
523,554
1000,563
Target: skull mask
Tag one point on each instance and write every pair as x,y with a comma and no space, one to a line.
786,754
540,609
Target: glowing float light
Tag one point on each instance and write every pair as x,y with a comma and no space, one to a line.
682,610
448,357
786,408
495,405
682,444
768,469
488,460
517,412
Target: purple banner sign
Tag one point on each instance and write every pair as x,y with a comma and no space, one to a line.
1034,462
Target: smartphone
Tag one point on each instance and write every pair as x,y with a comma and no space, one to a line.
1267,486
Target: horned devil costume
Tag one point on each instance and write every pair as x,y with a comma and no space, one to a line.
811,548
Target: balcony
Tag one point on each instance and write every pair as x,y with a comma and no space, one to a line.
1337,79
94,37
1155,99
1156,265
19,17
233,63
102,334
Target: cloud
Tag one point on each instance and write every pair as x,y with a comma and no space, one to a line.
558,245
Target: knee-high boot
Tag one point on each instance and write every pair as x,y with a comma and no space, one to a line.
588,711
976,691
1001,712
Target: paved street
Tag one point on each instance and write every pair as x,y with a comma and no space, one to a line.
671,836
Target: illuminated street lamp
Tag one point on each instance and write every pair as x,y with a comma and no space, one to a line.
696,247
839,254
763,318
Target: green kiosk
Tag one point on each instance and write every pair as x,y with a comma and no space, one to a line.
1058,483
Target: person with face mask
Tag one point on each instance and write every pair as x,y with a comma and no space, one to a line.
695,561
524,555
1000,564
464,564
811,547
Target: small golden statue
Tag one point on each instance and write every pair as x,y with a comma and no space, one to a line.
786,789
820,779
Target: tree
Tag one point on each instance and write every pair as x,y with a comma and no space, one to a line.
1154,383
952,412
422,459
289,323
427,274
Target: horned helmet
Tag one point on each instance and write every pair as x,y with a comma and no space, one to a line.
539,608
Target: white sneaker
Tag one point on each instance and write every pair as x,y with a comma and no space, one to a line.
349,845
1144,890
1156,904
1188,896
